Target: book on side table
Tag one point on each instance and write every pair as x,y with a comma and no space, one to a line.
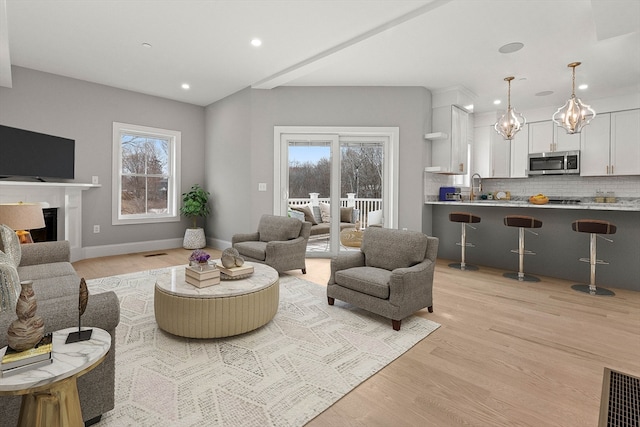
13,362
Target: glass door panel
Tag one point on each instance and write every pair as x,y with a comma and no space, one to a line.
308,182
361,187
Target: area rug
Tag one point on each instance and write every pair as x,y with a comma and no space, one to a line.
282,374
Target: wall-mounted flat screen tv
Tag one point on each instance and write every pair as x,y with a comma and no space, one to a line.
24,153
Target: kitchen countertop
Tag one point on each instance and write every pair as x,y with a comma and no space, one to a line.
632,205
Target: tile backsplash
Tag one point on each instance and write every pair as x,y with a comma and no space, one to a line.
556,186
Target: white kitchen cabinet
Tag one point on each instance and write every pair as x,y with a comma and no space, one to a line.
449,149
482,150
595,146
565,141
520,154
610,145
495,157
541,136
625,143
547,136
500,156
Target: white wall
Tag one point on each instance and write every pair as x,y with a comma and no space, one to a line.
408,108
85,111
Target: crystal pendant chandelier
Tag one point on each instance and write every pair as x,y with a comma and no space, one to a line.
511,121
574,114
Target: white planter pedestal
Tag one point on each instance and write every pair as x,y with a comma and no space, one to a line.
194,238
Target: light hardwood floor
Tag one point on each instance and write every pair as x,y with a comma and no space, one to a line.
507,353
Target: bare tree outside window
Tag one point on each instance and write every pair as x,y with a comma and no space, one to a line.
361,167
362,171
145,174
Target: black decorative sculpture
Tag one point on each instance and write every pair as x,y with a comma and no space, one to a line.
83,298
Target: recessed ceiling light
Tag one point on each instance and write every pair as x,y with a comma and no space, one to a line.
256,42
511,47
497,102
583,86
544,93
147,45
186,86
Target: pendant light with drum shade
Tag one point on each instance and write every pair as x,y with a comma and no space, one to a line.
511,121
574,114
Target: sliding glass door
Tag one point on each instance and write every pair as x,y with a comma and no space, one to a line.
341,182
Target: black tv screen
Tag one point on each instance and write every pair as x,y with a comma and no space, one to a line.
25,153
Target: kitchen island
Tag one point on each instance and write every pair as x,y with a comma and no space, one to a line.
557,246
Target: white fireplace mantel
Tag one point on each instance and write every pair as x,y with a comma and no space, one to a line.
66,196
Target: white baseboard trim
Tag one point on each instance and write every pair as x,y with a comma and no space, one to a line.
218,243
129,248
152,245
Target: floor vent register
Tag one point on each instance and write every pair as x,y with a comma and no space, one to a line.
620,405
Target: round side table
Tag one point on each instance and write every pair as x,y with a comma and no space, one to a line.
50,393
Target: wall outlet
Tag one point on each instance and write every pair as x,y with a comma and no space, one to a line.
95,180
262,186
96,228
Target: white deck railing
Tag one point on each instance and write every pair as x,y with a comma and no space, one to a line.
363,205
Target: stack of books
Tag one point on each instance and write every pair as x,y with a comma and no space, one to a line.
14,362
235,272
202,278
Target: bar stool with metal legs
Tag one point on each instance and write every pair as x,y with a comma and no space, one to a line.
595,228
465,219
523,223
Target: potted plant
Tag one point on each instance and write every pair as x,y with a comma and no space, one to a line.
195,205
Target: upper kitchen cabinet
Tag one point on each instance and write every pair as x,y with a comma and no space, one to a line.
500,156
609,145
519,154
565,141
594,147
547,136
541,136
449,146
490,153
625,143
495,157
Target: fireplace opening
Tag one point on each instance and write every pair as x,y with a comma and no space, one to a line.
50,231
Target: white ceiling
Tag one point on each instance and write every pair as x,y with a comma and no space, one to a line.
437,44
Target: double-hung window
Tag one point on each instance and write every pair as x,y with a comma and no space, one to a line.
146,174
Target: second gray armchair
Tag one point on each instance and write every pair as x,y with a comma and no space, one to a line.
280,242
392,275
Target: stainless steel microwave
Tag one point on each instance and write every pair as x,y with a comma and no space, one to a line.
554,163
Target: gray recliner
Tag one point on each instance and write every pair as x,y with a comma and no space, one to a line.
392,275
280,242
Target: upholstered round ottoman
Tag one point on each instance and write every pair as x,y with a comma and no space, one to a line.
232,307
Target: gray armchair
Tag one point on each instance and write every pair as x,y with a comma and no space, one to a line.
280,242
392,275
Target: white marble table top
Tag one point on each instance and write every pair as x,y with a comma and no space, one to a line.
173,282
68,360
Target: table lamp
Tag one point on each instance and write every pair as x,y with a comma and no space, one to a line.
22,217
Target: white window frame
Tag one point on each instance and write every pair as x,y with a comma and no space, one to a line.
173,192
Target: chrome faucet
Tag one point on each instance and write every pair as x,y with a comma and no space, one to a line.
473,185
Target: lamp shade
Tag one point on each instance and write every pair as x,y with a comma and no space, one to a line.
22,216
